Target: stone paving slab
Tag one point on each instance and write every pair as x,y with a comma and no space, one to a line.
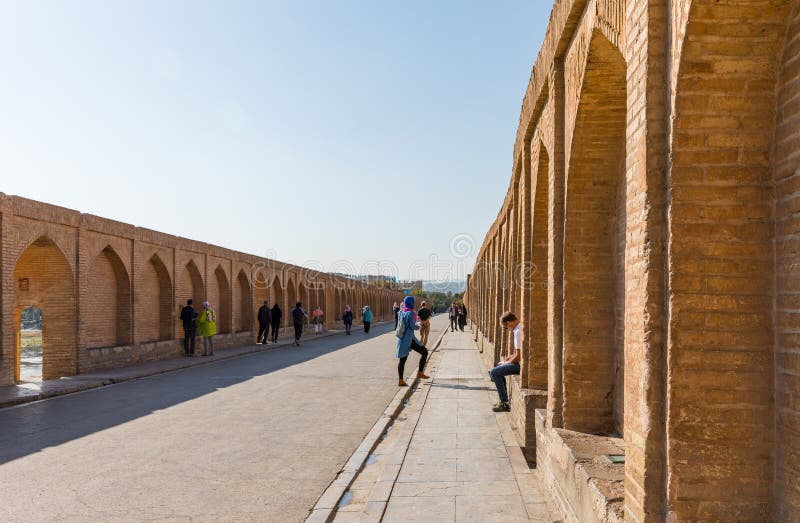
450,457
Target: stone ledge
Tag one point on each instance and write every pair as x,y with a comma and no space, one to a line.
524,403
574,468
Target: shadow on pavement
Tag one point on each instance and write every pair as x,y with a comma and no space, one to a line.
33,427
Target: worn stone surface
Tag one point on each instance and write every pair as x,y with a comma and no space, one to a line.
648,239
254,438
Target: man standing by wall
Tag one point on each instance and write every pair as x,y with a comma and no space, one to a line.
298,317
510,365
189,320
264,319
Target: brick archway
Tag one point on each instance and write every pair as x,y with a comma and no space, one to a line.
107,316
594,248
190,287
537,367
154,302
244,304
219,296
721,331
43,279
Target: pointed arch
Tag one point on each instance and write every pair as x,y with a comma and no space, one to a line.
291,299
106,317
277,297
190,287
44,279
219,296
154,302
243,314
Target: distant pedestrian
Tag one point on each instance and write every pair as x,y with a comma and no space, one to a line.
509,365
264,320
317,318
424,314
462,317
298,317
348,319
366,316
395,312
207,327
276,316
189,320
406,341
453,313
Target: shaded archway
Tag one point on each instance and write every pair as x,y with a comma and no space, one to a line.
291,299
219,296
190,287
261,291
106,311
537,368
244,305
277,297
154,302
594,248
43,279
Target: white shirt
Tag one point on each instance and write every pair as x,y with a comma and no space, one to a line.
518,337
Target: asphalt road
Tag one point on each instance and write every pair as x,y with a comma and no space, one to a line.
257,438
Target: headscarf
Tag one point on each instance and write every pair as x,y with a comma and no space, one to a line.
347,308
206,305
408,306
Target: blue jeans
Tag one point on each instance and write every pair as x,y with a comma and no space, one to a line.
498,375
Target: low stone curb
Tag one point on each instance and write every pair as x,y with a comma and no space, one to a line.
324,509
185,363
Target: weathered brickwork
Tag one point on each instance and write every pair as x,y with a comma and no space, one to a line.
655,195
110,293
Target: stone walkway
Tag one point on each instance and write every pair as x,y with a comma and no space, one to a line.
448,457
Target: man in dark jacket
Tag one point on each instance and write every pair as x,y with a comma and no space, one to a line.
276,315
424,314
298,316
189,320
264,319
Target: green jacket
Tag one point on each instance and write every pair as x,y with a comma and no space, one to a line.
205,324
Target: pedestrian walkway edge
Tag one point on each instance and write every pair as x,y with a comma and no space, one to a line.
324,509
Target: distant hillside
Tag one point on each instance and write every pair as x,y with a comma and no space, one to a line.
445,286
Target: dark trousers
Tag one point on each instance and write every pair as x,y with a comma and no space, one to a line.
347,326
423,357
275,327
298,330
498,375
461,323
263,330
366,326
188,340
453,323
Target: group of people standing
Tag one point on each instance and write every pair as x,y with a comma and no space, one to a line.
204,324
458,316
269,322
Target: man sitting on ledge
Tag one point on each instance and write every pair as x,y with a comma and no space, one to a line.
509,365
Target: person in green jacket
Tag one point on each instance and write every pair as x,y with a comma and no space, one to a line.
207,327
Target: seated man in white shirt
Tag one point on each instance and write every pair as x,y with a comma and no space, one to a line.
509,365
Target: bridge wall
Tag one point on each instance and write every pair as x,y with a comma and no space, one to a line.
648,240
111,293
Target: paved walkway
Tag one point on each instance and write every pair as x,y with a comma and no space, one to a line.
253,438
448,456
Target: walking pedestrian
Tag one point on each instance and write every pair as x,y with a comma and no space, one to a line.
277,314
453,313
462,317
189,320
264,320
348,319
298,317
509,365
395,312
406,341
207,327
366,316
424,323
317,319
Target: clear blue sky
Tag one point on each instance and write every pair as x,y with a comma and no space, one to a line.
327,133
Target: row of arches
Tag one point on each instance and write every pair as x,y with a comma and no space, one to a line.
653,259
109,304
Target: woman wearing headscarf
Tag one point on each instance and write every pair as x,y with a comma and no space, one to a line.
277,314
317,319
406,341
348,319
207,328
366,315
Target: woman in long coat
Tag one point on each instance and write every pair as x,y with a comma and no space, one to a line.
406,341
207,328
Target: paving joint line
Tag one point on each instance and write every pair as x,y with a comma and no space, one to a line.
324,509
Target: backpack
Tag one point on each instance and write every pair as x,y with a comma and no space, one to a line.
401,328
